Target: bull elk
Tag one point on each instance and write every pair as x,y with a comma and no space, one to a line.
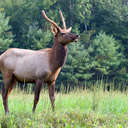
36,66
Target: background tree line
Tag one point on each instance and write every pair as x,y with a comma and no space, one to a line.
101,52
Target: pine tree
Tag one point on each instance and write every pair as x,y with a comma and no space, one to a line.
6,37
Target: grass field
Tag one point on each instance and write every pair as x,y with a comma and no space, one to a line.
77,109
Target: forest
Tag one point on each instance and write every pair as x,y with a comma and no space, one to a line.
101,52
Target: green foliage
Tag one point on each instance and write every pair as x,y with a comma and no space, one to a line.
36,39
106,57
6,37
111,16
78,65
97,58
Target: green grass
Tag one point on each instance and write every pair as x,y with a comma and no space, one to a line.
77,109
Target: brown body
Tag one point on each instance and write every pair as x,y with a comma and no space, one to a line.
41,66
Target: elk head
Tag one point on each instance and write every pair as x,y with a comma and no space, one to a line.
61,35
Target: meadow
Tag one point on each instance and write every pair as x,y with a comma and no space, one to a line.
76,109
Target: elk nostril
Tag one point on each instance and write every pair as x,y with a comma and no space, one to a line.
78,36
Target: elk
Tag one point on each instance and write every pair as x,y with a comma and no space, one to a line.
36,66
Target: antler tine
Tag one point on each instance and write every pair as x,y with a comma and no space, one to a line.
62,18
49,20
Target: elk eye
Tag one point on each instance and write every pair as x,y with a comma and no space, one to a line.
62,34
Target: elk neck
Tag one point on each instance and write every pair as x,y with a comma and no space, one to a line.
59,55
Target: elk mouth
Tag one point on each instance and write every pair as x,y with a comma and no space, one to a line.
75,40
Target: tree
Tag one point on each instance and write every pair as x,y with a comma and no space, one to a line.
77,66
36,38
6,36
111,16
102,25
106,56
100,58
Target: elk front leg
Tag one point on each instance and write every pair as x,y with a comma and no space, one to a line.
37,93
5,99
51,89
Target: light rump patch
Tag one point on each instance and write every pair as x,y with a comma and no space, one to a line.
41,66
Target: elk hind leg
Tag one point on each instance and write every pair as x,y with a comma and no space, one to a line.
8,85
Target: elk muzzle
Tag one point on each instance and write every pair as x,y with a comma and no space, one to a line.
76,37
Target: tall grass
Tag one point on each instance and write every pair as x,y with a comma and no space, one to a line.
76,109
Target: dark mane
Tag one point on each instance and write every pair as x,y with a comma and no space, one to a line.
60,54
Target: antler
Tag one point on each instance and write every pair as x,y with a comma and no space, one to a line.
62,18
51,21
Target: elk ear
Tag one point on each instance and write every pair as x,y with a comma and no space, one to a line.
54,30
69,29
